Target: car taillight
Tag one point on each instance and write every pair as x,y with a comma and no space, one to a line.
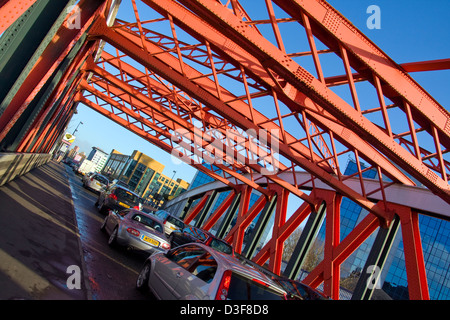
113,196
134,232
136,207
165,246
224,286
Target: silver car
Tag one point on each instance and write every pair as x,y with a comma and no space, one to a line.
135,230
96,182
170,222
197,272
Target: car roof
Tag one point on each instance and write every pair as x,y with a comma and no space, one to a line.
143,213
125,188
232,263
149,215
99,174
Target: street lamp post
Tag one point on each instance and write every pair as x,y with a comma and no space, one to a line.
166,192
76,129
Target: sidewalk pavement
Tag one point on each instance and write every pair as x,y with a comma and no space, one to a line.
39,238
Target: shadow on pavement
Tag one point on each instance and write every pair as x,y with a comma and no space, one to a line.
38,237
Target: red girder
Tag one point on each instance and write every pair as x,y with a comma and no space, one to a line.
50,59
184,107
219,212
197,27
25,145
145,135
165,116
11,10
173,95
244,218
142,56
426,111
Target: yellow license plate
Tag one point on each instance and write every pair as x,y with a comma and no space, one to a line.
150,240
124,205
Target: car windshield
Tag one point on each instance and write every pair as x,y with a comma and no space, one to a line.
148,222
126,195
221,246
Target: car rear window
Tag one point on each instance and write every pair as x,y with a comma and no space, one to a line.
242,288
148,222
126,195
101,179
221,246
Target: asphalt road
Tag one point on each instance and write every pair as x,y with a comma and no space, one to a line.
111,271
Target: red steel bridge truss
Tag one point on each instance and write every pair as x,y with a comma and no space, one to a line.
276,94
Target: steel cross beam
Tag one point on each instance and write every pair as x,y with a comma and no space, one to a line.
186,108
200,29
238,105
51,58
154,139
11,10
432,117
121,42
166,117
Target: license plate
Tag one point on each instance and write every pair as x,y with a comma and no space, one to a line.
99,184
124,205
150,240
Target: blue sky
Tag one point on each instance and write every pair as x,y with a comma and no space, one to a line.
410,31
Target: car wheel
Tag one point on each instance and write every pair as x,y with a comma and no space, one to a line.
142,280
113,237
104,224
102,208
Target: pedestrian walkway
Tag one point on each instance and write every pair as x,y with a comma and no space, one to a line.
39,238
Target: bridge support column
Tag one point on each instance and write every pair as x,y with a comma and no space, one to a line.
198,208
212,220
234,207
414,260
331,271
208,205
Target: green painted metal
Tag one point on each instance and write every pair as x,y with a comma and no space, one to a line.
24,41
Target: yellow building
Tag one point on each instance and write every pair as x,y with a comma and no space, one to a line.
143,175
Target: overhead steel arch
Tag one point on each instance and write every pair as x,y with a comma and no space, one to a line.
207,82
